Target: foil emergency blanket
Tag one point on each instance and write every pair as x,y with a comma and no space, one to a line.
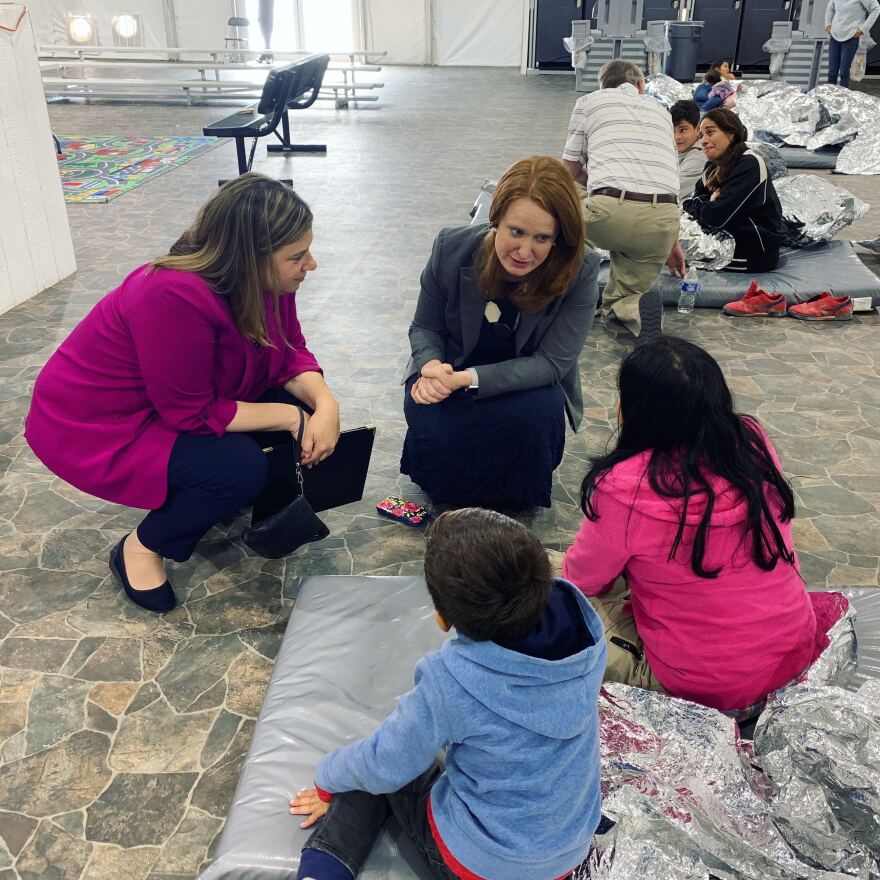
822,207
785,113
688,799
856,119
776,166
820,747
862,155
838,133
841,102
826,116
763,111
704,249
667,90
871,244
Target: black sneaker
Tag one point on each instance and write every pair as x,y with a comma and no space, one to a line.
650,316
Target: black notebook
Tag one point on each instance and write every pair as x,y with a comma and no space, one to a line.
333,482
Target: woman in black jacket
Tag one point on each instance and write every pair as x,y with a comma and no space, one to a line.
736,194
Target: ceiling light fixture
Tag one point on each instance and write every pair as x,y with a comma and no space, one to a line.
80,28
126,26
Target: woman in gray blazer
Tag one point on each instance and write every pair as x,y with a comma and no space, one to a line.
502,316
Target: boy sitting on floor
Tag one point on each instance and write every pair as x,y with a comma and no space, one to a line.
512,697
691,158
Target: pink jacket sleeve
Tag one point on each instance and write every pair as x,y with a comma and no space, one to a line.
601,548
174,342
297,359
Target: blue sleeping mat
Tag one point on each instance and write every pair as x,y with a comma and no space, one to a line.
350,649
799,275
801,157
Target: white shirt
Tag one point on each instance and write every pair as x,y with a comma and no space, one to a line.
625,141
844,16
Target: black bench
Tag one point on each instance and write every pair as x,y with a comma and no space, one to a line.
292,87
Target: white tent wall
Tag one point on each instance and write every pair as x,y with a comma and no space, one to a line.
51,16
201,24
486,33
36,250
399,27
443,32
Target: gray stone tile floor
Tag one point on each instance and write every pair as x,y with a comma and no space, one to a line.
122,733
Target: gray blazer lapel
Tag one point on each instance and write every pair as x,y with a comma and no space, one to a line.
473,307
529,323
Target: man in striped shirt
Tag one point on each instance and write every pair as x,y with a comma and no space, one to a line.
620,150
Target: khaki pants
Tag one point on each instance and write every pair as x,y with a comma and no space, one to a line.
625,664
639,237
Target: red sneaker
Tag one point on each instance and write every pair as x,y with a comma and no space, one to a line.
824,307
757,303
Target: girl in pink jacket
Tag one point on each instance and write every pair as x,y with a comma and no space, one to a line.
691,508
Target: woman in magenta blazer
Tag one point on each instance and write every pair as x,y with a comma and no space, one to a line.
150,400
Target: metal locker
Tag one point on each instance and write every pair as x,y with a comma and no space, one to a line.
659,10
553,20
757,25
721,23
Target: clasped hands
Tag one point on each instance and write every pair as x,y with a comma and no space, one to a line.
437,381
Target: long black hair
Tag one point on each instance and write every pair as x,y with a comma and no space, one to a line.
675,404
729,123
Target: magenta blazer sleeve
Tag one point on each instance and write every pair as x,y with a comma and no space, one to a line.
297,357
174,342
600,550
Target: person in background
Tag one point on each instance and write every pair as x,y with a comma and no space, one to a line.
736,194
692,509
846,22
691,158
500,322
724,93
620,151
512,698
719,74
151,400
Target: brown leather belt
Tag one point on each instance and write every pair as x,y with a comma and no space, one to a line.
663,198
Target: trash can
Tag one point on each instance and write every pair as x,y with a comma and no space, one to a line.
684,39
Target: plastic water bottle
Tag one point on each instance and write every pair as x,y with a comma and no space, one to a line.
690,290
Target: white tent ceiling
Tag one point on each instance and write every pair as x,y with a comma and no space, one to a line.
443,32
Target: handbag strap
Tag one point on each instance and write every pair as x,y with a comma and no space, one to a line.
297,450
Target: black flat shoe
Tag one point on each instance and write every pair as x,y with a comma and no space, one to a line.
159,599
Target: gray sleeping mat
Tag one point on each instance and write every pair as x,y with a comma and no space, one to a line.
801,157
800,274
350,649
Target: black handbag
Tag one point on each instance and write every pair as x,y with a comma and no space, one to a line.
295,524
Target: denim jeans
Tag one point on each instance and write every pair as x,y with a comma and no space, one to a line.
840,59
355,818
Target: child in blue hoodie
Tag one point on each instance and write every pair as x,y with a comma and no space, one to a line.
513,699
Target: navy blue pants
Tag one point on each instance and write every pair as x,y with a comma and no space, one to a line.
840,59
209,479
497,452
